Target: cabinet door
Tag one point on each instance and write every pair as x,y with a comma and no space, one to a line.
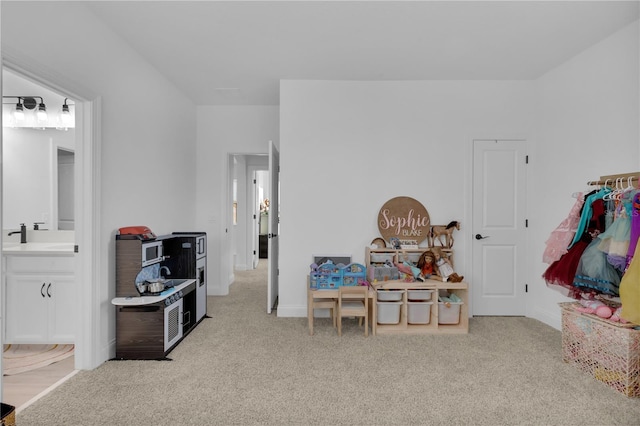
62,310
27,309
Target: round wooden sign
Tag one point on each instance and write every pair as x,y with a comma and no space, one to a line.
404,218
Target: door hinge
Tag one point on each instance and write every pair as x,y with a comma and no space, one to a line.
526,159
526,223
526,288
254,252
254,216
76,249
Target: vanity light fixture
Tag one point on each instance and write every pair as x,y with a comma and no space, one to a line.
31,112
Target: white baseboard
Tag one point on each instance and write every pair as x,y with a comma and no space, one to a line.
551,318
291,311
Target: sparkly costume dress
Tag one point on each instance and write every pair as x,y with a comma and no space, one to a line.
561,273
562,236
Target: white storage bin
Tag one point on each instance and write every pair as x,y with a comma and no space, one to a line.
388,312
390,295
419,295
419,312
449,314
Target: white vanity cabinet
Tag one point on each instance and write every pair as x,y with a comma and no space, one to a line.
40,299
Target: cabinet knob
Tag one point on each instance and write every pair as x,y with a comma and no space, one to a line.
42,289
49,290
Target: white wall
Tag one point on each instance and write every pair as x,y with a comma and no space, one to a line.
222,131
588,121
147,129
348,147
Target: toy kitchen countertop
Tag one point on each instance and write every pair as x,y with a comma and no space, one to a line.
148,300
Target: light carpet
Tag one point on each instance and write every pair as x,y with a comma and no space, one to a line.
21,358
245,367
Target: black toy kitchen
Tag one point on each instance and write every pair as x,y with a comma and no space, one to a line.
161,291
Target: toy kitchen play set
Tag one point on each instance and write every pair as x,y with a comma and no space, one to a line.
161,290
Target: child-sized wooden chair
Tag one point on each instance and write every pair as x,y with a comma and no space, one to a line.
331,304
354,302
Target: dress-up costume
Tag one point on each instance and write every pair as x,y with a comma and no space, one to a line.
615,240
635,227
630,292
587,213
594,273
562,236
561,273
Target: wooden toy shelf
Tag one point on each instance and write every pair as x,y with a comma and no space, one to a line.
433,325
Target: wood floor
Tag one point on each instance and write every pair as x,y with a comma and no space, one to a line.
20,389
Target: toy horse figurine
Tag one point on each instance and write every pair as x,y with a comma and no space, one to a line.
437,231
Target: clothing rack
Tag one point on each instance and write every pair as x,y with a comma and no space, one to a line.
612,179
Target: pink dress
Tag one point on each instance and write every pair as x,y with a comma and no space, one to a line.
562,236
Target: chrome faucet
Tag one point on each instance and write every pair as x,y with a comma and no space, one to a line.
166,268
23,233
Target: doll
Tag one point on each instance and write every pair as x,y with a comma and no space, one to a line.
444,268
426,265
595,307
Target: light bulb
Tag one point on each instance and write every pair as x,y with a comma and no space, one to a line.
42,112
65,116
18,113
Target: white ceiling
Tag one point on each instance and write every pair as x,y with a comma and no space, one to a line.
235,52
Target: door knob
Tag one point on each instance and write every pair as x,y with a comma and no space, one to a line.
480,237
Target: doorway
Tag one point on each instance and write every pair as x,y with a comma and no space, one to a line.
251,209
39,191
87,354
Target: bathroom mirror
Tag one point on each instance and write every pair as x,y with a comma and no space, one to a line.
38,162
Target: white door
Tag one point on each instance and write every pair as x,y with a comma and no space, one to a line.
274,225
499,222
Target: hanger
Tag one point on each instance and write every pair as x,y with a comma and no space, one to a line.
630,188
610,195
615,194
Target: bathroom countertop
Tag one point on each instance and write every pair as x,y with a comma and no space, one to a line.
38,248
